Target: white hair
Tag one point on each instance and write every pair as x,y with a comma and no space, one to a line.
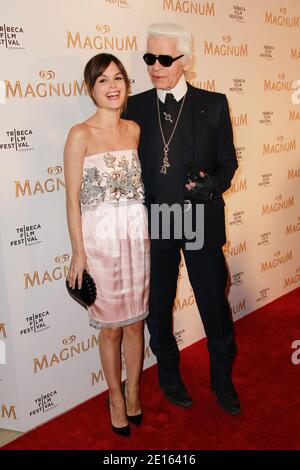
171,30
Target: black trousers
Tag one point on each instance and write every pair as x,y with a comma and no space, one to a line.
208,277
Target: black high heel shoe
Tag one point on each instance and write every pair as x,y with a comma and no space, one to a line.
134,419
124,430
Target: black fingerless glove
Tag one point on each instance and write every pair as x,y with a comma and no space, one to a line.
205,187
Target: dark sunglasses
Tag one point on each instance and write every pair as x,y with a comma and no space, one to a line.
164,60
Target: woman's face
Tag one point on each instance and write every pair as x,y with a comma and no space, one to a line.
110,88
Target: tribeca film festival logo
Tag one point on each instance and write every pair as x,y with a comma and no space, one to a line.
237,218
3,336
264,239
265,181
179,336
238,86
17,139
281,19
36,323
190,7
268,52
72,348
27,235
227,48
44,403
119,3
240,151
237,279
263,295
46,87
38,279
238,13
11,36
208,85
49,185
267,117
102,40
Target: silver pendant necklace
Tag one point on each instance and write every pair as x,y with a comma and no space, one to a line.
166,163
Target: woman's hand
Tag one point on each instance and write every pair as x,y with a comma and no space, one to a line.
78,264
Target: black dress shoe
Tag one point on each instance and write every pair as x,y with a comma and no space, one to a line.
177,394
123,431
134,419
227,398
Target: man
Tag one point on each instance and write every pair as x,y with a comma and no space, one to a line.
183,129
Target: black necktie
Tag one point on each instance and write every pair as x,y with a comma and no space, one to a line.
168,113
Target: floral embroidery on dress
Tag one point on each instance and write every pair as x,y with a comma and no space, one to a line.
120,180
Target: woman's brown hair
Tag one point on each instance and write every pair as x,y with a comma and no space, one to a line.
96,66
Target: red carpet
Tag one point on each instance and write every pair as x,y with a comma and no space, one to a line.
267,382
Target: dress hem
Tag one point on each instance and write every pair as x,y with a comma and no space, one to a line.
99,324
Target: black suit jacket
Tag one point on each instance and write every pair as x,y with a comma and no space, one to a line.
213,148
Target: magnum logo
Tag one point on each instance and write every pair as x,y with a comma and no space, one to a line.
279,147
279,85
101,41
8,412
65,353
239,308
277,206
39,279
209,85
237,187
226,49
293,228
45,88
292,281
190,7
180,304
294,115
49,185
295,53
234,250
277,260
282,19
292,174
241,120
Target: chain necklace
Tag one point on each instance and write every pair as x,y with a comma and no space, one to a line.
165,163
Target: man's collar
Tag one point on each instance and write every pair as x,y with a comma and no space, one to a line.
178,91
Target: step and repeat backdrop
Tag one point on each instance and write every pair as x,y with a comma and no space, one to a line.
250,50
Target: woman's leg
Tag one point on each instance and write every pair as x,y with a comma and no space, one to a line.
110,355
133,349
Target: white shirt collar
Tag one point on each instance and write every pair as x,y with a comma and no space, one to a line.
178,91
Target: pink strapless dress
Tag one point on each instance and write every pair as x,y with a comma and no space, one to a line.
116,240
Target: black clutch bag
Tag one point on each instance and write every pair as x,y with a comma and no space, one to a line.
86,296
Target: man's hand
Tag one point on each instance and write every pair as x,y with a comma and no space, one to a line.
201,188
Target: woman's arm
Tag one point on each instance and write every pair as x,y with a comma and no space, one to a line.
74,152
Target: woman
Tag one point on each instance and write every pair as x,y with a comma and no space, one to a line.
109,236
